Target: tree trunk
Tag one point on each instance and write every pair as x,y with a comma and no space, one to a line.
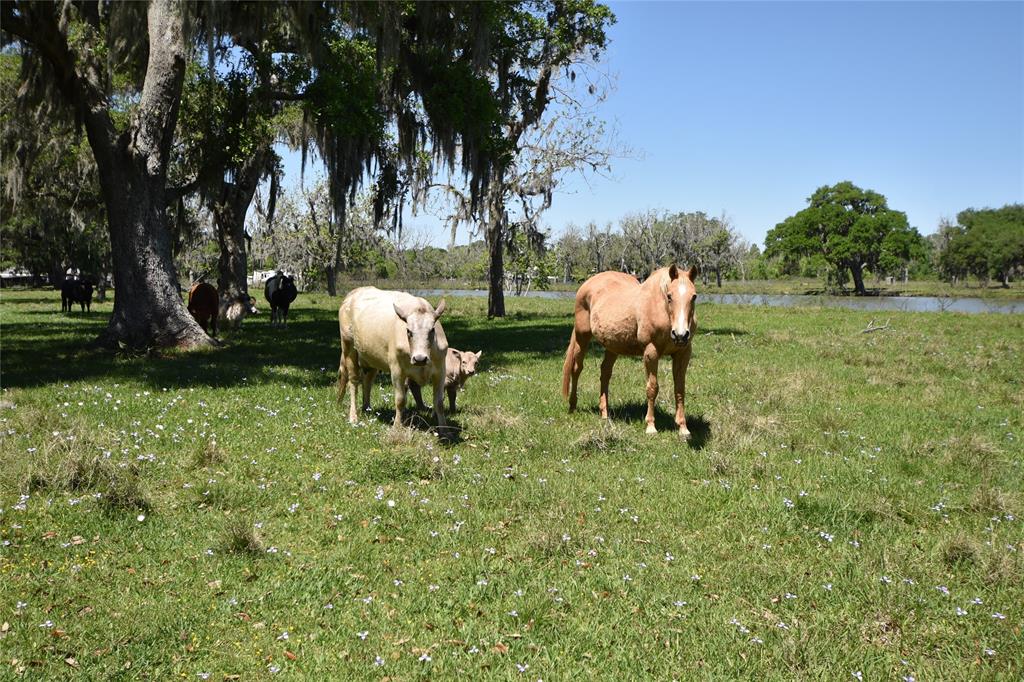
229,213
132,166
857,271
495,272
334,268
232,266
718,277
148,310
495,246
332,280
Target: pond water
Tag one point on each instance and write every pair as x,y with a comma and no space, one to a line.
916,304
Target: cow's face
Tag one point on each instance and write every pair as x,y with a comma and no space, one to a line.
248,304
468,362
419,329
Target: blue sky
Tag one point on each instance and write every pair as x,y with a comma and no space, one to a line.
748,107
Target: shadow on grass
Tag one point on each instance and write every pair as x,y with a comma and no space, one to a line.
636,414
303,354
423,420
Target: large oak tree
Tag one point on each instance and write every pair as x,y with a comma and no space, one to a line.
379,83
843,223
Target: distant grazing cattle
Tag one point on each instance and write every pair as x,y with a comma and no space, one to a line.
391,331
459,366
75,290
233,311
280,291
204,305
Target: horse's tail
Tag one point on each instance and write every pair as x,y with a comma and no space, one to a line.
567,366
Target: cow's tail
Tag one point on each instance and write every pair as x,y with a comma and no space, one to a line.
567,365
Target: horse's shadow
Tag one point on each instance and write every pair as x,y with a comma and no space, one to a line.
700,428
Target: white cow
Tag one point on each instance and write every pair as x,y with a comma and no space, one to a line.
395,332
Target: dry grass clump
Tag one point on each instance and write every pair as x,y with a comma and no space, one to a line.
407,454
72,460
118,484
988,499
720,465
494,418
241,537
972,450
960,551
739,427
604,438
209,455
883,630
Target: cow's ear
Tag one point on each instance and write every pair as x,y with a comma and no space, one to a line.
479,354
439,309
401,311
456,353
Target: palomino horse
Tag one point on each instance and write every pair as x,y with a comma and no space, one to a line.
628,318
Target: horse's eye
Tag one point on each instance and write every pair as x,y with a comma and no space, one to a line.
670,298
695,297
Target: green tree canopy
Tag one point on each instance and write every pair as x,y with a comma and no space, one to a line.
987,243
846,225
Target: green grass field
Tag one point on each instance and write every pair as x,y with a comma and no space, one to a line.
850,506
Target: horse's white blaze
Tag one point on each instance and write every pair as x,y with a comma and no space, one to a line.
681,325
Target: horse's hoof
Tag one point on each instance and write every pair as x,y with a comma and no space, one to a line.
684,434
651,429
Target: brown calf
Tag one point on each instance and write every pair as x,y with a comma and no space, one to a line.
204,305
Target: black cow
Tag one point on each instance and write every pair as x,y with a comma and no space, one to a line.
75,290
280,291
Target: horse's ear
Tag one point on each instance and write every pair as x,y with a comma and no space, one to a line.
692,273
673,271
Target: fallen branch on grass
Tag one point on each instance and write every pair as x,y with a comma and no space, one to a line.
873,328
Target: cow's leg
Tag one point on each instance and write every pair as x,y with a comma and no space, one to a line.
651,368
284,311
578,349
442,423
679,363
417,394
368,376
452,392
342,377
606,375
398,382
348,377
213,323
